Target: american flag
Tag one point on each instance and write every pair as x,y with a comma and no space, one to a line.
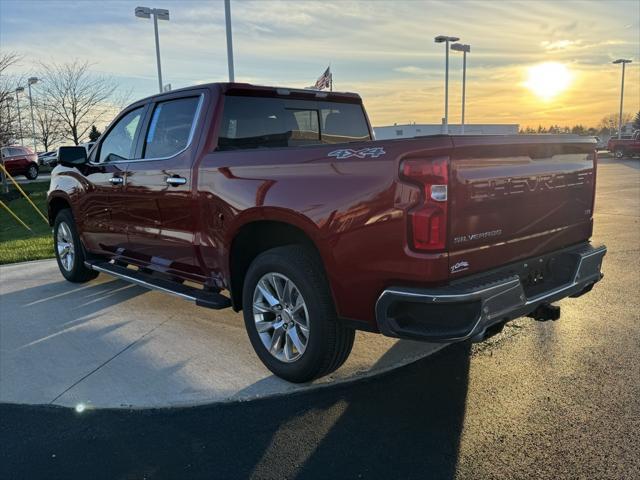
325,80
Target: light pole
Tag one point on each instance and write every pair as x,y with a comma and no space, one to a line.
459,47
32,81
445,39
158,14
9,122
19,90
227,16
623,62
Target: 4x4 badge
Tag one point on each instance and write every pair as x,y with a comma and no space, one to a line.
373,152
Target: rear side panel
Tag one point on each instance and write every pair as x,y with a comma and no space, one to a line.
515,200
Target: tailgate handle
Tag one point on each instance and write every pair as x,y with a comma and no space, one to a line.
175,180
116,180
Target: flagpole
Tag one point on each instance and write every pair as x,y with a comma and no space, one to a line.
227,16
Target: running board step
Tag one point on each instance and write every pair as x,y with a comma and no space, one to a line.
200,297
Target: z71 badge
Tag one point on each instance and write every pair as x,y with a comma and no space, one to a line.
373,152
460,266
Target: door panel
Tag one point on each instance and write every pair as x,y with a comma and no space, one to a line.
101,209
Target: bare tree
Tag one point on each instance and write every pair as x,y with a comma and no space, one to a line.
77,97
49,126
610,122
7,89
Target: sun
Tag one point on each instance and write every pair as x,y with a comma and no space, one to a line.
549,79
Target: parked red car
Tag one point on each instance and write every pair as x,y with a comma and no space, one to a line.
280,203
20,161
625,147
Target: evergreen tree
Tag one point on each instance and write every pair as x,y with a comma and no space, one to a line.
94,133
636,122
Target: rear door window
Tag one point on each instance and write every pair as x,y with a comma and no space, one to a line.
170,127
255,122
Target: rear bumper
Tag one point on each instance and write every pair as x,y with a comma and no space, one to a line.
466,309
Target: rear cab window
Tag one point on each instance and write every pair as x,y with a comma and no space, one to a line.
258,122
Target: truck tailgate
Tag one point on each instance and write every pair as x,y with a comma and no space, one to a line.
516,197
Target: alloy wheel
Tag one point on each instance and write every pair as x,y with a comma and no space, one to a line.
64,245
281,317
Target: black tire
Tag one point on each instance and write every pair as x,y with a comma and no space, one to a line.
619,153
329,342
75,271
32,172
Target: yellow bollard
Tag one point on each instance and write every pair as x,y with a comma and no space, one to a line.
14,215
24,195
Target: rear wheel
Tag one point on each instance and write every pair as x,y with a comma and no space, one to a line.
290,316
69,250
619,153
32,172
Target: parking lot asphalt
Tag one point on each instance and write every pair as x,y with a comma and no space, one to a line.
541,400
43,177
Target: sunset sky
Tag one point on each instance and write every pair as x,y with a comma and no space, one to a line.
382,49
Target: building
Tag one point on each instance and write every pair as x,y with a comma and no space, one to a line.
419,129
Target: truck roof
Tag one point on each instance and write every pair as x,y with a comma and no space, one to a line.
249,89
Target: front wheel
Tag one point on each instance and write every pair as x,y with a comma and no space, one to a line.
32,172
69,250
290,317
619,153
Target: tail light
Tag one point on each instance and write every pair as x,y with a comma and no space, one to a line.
428,219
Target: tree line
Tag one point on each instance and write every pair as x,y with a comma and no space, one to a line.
68,102
605,129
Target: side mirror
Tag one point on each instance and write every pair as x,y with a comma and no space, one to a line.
72,156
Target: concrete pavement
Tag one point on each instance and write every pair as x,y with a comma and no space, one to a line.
111,344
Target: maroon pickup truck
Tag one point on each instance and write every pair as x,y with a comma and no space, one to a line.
625,147
280,203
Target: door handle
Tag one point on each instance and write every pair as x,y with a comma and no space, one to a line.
116,180
175,180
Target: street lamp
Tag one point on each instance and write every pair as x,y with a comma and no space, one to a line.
459,47
9,122
623,62
445,39
32,81
19,90
158,14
